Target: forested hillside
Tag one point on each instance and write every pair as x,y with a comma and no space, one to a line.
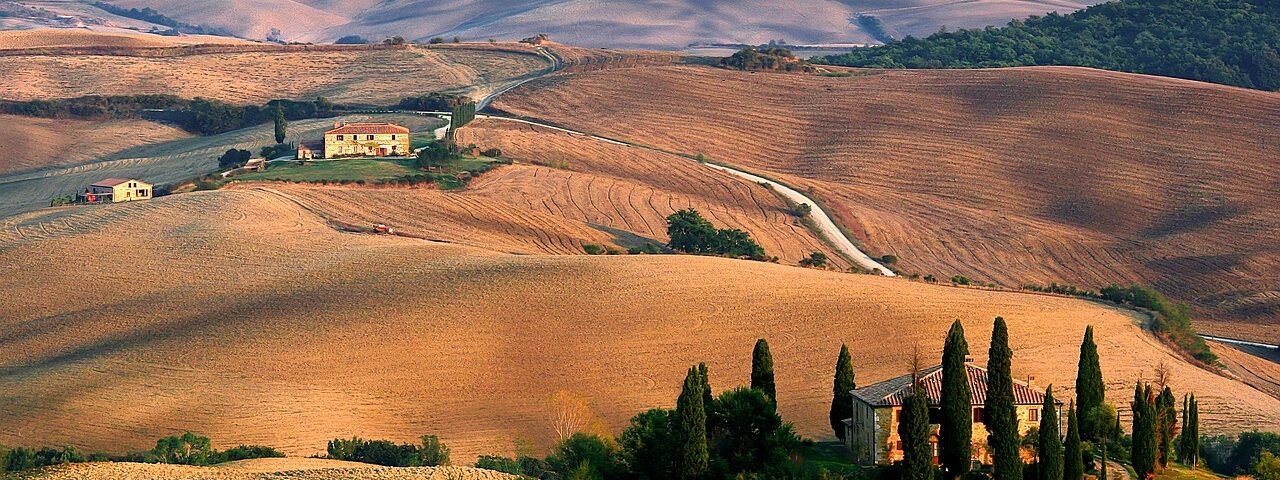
1231,42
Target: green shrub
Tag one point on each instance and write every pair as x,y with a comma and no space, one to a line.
499,464
592,249
960,280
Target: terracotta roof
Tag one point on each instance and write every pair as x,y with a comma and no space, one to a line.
367,128
110,182
893,391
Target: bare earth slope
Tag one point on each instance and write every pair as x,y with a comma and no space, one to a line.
376,77
241,315
66,37
669,24
1013,176
31,143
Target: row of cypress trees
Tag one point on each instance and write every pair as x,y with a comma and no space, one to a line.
1059,459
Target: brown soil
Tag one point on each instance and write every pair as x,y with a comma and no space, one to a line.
243,316
1013,176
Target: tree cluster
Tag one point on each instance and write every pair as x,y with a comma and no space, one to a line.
754,59
1173,319
151,16
428,452
1232,42
691,233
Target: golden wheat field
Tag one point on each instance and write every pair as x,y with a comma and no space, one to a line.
359,76
32,143
1012,176
259,469
241,315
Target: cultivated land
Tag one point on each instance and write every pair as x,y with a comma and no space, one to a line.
615,23
259,469
255,322
31,143
164,162
66,37
1012,176
354,75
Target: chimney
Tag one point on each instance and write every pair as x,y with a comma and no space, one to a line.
1031,381
337,124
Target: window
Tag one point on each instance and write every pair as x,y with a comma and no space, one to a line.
339,138
368,137
393,137
897,416
978,414
1033,414
897,445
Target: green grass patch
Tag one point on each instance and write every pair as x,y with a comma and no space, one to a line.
833,457
1183,472
367,170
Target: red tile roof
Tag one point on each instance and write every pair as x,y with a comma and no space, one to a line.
893,391
368,128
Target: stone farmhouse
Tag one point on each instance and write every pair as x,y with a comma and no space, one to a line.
116,190
872,432
360,140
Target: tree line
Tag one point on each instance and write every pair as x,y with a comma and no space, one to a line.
691,233
1232,42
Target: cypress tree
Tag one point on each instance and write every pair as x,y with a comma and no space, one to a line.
913,429
1049,442
1193,425
1143,452
704,378
1166,426
1090,391
762,371
282,125
955,430
1182,439
692,456
1073,458
841,399
1001,415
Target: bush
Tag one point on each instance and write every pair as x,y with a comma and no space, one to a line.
436,40
960,280
592,249
185,449
245,452
595,456
499,464
351,40
433,452
815,260
491,152
888,259
383,452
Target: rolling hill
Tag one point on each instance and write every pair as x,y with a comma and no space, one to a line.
665,24
242,315
34,143
260,469
1012,176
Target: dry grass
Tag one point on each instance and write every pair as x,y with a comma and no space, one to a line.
1014,176
65,37
377,77
262,469
1259,367
31,143
241,315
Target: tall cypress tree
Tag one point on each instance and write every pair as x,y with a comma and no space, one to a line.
707,399
841,399
1000,413
762,371
1182,439
1049,442
1143,452
1073,458
1193,425
282,125
913,429
1090,391
955,430
1166,426
692,457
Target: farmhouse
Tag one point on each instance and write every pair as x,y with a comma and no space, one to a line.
116,190
366,140
872,432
